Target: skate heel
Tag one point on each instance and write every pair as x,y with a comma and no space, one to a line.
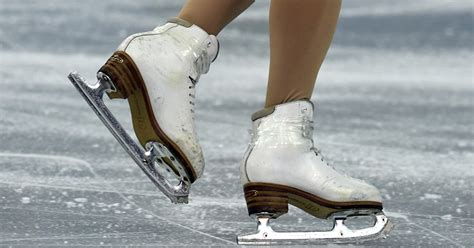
264,201
124,74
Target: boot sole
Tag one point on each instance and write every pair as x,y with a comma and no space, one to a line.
273,199
124,73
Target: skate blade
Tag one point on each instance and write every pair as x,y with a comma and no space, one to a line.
150,160
340,233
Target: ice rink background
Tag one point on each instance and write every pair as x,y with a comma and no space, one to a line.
394,106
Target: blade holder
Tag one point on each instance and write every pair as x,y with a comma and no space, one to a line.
340,233
145,159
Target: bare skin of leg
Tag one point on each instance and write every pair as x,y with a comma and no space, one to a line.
213,15
300,35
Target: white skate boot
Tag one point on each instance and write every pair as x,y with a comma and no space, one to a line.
282,166
157,72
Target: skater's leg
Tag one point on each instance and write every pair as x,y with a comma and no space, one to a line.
281,166
213,15
300,34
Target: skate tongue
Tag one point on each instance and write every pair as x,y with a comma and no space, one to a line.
213,49
295,109
209,50
212,42
180,21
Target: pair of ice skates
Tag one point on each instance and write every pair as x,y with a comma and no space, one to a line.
157,72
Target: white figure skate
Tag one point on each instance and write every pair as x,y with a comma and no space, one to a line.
282,166
157,72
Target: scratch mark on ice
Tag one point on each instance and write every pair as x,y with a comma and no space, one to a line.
157,216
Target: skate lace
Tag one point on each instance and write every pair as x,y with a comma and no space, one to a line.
202,63
307,126
284,131
192,96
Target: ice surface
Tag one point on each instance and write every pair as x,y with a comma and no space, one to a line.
394,106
